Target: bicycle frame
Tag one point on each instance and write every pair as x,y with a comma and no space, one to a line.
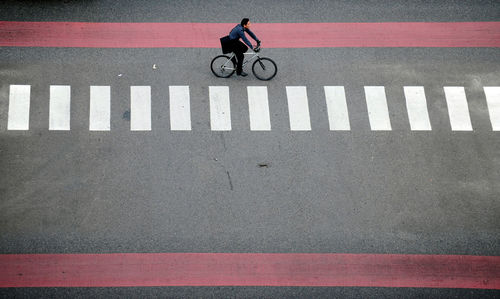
245,61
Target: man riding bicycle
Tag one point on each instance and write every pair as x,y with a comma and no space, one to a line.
238,47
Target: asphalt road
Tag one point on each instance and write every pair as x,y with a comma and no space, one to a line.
358,191
222,11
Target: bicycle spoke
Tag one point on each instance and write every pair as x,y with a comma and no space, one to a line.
222,66
262,65
264,69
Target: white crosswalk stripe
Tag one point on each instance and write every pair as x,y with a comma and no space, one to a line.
458,110
18,117
140,108
258,108
60,107
180,109
416,105
493,101
378,113
338,116
19,107
298,108
100,108
220,112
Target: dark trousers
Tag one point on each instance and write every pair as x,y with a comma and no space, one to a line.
239,48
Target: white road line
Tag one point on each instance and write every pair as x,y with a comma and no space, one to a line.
180,110
493,99
458,109
100,108
220,109
298,108
336,104
416,105
60,107
19,107
258,108
140,108
378,113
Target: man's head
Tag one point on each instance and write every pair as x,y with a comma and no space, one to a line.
245,23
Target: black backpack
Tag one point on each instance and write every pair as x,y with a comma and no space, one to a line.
226,44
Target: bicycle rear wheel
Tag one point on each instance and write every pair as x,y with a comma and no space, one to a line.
264,69
222,66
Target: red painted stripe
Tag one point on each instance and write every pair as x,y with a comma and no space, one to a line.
249,269
273,35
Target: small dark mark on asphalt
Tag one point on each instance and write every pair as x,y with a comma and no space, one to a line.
230,182
126,115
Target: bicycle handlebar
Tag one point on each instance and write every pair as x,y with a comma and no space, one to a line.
257,48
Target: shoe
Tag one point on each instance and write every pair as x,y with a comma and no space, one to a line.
243,74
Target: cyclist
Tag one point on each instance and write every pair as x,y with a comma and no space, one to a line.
238,47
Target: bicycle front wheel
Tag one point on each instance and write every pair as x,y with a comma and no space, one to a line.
264,69
222,66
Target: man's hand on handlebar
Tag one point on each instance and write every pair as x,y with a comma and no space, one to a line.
257,48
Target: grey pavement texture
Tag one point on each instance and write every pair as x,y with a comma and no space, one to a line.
202,191
222,11
358,191
245,292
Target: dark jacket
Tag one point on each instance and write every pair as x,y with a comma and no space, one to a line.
239,32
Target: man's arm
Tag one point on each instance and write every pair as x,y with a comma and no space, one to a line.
252,35
245,39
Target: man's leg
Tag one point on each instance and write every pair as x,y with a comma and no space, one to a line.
239,50
234,46
239,66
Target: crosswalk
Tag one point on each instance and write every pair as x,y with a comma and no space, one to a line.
258,103
100,108
493,101
180,108
458,109
338,116
416,104
298,108
378,112
220,111
140,108
60,107
19,107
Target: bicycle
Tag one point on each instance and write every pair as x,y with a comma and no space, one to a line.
263,68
